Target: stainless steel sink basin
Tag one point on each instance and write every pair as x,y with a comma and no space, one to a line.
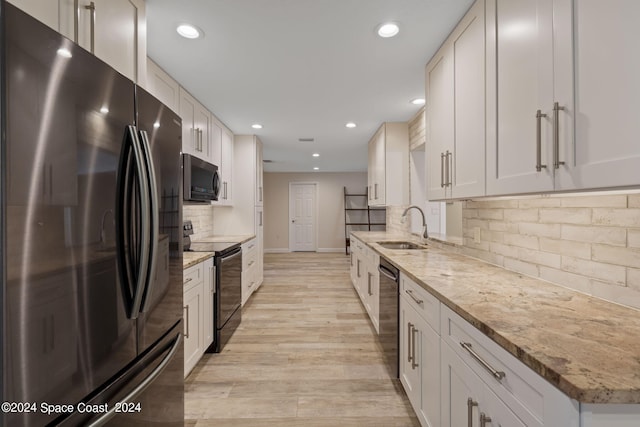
401,245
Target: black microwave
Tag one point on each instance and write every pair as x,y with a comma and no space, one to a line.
201,179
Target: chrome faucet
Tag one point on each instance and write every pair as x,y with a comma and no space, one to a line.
424,222
103,239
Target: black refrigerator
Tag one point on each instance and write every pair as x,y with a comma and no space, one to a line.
91,261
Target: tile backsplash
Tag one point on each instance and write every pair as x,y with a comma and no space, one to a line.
201,215
584,242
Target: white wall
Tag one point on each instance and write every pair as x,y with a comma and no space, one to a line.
330,207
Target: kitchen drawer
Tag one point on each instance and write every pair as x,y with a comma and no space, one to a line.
526,393
193,275
424,303
249,254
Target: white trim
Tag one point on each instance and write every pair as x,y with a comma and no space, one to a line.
332,250
315,215
276,250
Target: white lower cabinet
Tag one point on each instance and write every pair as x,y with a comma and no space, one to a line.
366,279
199,287
420,352
250,266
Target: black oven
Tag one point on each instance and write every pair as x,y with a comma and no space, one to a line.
200,179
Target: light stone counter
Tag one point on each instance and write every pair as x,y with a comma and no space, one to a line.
587,347
242,238
190,259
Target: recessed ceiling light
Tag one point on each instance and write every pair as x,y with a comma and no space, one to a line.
156,125
104,110
418,101
316,168
188,31
256,126
350,125
316,155
387,30
64,52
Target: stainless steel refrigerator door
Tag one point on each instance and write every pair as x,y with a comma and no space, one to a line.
162,300
65,318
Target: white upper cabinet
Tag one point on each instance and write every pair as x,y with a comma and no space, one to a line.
455,85
163,86
113,30
388,165
603,71
196,121
226,167
519,84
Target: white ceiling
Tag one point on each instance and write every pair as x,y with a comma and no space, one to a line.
303,68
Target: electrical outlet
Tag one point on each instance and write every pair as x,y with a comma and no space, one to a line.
476,234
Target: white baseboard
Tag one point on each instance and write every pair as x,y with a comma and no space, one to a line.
330,250
276,250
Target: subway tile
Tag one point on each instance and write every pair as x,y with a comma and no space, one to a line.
633,238
564,278
633,278
489,257
566,215
469,213
521,241
634,201
597,270
540,258
493,204
521,267
497,226
502,249
566,247
617,217
615,201
481,223
495,214
607,235
471,243
543,202
540,230
491,236
619,294
627,257
520,215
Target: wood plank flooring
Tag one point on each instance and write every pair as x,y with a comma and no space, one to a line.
304,355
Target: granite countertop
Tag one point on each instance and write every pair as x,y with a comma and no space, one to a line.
241,238
190,259
587,347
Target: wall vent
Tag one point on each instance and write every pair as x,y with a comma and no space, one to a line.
306,139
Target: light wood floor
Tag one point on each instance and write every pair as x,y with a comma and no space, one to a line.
304,355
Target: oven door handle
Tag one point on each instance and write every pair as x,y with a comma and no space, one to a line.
232,255
384,270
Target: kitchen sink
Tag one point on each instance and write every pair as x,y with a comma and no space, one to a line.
402,245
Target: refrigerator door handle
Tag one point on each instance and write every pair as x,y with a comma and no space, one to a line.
140,387
153,217
132,275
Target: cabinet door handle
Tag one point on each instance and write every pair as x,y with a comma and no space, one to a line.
539,116
212,280
409,335
358,268
92,8
414,365
369,284
484,419
410,293
376,190
556,135
186,335
499,375
449,164
260,218
441,170
470,404
76,19
188,280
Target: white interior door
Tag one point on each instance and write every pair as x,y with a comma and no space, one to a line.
302,213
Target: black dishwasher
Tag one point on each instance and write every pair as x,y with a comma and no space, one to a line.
389,314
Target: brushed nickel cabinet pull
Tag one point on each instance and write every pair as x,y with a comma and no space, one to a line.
441,170
186,335
470,404
539,116
414,365
409,335
188,280
376,190
369,284
92,8
556,135
358,267
484,419
410,293
76,19
499,375
448,166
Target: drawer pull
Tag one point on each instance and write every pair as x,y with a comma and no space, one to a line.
484,420
188,280
410,293
409,336
250,263
499,375
470,404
